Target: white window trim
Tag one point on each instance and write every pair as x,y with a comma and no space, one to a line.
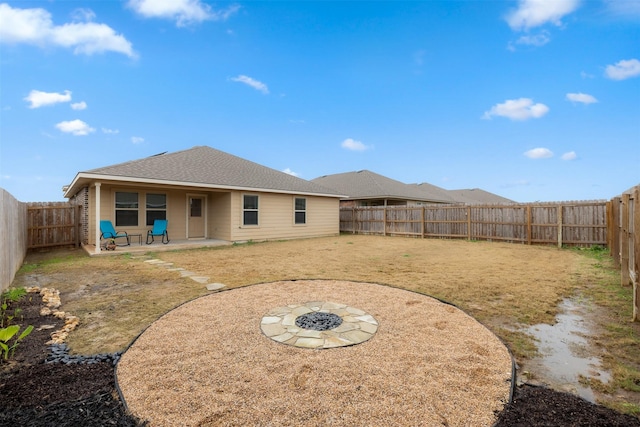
166,209
115,208
243,210
306,212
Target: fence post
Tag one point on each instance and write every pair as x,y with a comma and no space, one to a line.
422,229
384,220
609,221
528,224
353,220
468,222
614,229
636,253
624,241
559,226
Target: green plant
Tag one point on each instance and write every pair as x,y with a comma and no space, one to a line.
9,296
6,334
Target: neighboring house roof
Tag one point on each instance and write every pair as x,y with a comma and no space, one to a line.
435,192
200,167
477,196
365,184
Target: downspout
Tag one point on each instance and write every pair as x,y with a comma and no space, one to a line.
97,227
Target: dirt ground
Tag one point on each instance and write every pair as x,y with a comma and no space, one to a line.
507,287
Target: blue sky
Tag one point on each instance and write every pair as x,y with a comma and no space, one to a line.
534,100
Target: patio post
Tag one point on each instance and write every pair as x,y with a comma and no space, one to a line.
97,227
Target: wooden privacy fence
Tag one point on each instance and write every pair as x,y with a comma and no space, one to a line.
13,235
569,224
624,240
53,224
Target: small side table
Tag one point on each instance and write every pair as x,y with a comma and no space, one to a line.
139,236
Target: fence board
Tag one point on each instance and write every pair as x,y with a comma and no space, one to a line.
571,224
52,224
13,235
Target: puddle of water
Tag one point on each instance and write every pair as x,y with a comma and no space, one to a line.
564,351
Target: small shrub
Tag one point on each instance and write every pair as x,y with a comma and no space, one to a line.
8,333
6,313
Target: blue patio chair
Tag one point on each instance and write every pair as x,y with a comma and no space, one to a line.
108,232
159,229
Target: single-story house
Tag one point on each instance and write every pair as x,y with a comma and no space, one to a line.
203,193
366,188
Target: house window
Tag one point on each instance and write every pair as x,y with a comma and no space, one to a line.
126,209
300,210
195,207
250,210
156,207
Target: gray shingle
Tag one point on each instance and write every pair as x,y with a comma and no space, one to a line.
211,167
475,196
365,184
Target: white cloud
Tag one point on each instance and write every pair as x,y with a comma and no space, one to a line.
290,172
353,145
257,85
137,139
79,105
570,155
83,14
581,97
623,69
539,153
75,127
184,12
534,13
110,131
40,99
35,27
517,109
535,40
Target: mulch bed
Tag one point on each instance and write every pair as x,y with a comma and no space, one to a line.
34,393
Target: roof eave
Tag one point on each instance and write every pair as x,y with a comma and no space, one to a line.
87,177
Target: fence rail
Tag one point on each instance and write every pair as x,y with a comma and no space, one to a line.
568,224
52,224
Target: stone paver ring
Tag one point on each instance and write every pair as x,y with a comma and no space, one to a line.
319,325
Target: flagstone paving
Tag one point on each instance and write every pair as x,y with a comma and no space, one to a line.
205,280
357,326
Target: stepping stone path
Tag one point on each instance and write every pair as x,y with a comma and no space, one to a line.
183,273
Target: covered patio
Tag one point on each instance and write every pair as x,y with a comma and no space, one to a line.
140,246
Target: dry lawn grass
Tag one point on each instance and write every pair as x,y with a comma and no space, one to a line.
502,285
498,283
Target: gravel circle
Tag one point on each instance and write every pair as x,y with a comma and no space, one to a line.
428,364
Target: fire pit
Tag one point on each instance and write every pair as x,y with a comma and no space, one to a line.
319,325
319,321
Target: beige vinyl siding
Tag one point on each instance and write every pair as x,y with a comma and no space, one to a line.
219,216
276,217
224,214
176,210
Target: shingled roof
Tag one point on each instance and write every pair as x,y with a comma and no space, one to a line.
201,166
365,184
475,196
